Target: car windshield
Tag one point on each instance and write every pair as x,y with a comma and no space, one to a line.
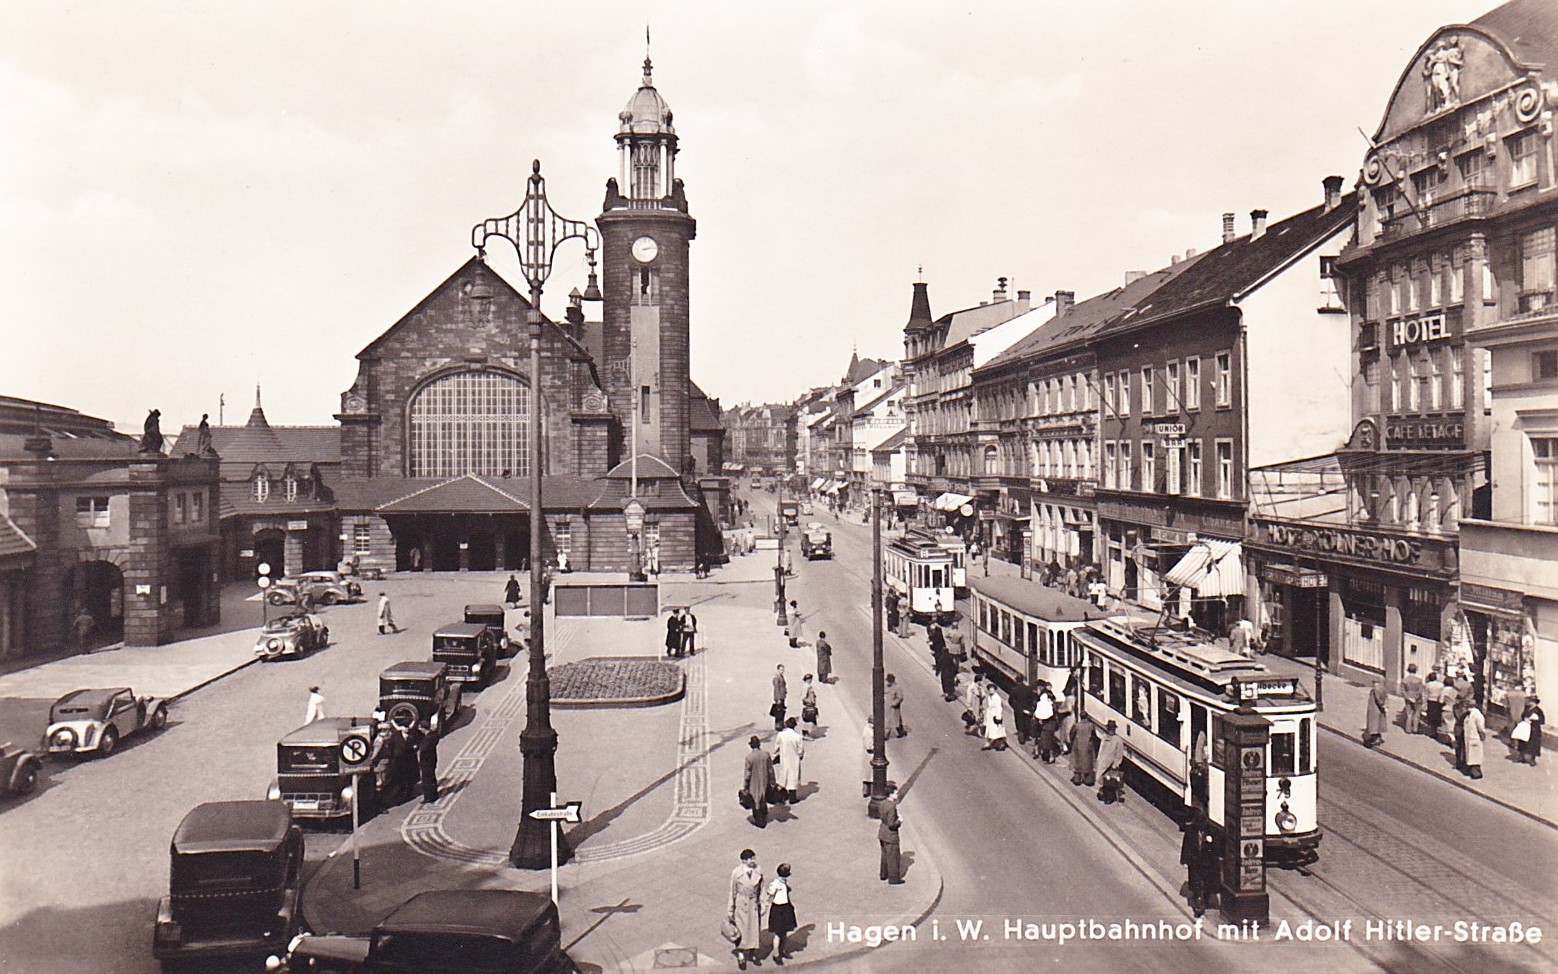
417,951
454,642
282,624
72,710
225,871
312,757
420,688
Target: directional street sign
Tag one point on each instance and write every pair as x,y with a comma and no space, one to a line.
567,812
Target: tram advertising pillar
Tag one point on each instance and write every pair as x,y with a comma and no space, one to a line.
1244,895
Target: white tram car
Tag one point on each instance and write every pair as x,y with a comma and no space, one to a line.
1022,629
921,572
1168,694
956,548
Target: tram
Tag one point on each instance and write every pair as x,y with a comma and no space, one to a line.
1022,629
920,570
956,548
1168,692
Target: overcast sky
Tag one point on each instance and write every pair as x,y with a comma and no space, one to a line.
199,197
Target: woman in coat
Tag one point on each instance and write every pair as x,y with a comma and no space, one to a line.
673,633
1531,748
746,887
1476,729
995,721
1083,741
1374,716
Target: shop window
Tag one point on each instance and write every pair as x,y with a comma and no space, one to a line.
91,512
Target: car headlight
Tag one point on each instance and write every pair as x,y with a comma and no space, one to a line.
273,644
65,737
273,793
1286,820
476,668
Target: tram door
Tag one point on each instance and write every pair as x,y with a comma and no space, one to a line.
1196,757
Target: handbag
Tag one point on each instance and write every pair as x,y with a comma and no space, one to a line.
776,711
745,798
1521,731
730,931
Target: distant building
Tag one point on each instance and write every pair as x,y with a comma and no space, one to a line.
96,533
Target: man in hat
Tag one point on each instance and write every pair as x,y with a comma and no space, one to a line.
1111,754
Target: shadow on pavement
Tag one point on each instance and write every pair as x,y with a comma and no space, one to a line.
598,824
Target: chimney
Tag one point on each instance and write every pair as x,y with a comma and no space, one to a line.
1024,301
1131,277
999,294
1064,300
1333,191
1257,224
1227,228
1173,259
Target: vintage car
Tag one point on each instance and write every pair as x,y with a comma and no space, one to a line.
816,542
790,511
322,588
491,931
418,690
233,888
316,763
95,721
470,651
291,636
491,616
19,769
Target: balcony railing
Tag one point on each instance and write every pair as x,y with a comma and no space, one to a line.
1467,204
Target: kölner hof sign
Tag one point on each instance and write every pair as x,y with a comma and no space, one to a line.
1358,547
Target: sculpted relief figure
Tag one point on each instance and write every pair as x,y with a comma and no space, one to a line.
1442,74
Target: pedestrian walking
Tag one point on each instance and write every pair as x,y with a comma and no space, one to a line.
427,762
1433,703
1476,731
746,888
808,707
1412,694
1445,728
689,633
82,626
511,592
1083,745
1111,755
796,624
1374,716
673,633
955,643
995,721
824,658
1528,742
1458,732
892,610
781,690
781,911
892,700
387,614
947,672
1098,593
974,705
789,749
757,779
887,838
1071,581
937,639
1198,854
316,706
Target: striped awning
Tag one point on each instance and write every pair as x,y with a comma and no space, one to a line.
1212,568
817,483
951,502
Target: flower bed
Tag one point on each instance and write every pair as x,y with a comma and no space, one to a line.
616,679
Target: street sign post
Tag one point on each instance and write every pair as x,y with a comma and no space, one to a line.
566,812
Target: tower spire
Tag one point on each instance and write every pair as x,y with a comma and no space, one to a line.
648,65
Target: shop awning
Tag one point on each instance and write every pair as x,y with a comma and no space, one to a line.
1212,568
833,487
817,483
906,498
951,502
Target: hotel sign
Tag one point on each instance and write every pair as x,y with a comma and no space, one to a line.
1415,331
1362,547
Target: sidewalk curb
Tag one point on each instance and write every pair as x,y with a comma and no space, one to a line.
1463,785
207,682
941,887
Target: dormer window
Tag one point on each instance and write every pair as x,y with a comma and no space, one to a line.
261,487
289,486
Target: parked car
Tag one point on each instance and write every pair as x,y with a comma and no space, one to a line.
322,588
233,887
454,931
19,769
291,636
492,617
316,763
816,542
95,721
418,690
470,651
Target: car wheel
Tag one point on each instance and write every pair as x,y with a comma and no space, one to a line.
159,718
27,779
327,599
108,743
324,637
276,599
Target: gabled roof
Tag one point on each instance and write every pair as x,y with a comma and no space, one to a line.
471,493
962,325
649,468
886,394
701,415
893,442
1230,272
13,540
360,495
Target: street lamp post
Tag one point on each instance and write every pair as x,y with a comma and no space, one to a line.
878,705
633,511
536,231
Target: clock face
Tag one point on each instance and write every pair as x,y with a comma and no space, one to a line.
645,249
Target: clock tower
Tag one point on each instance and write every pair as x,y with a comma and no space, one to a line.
645,231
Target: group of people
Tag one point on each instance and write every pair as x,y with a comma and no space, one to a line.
681,633
1446,709
404,759
756,908
772,779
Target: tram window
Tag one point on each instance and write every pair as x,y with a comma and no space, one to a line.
1168,716
1217,742
1095,676
935,578
1033,640
1305,765
1141,703
983,611
1281,753
1116,690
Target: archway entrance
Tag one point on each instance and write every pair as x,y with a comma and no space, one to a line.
95,588
270,548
